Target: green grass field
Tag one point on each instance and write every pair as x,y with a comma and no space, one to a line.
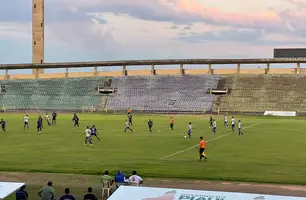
272,150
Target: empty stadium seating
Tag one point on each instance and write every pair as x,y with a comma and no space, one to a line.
46,94
258,93
163,93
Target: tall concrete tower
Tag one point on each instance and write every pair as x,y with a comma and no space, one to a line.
38,33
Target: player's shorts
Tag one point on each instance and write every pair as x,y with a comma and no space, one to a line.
233,125
26,123
150,126
214,129
130,121
189,131
76,123
171,125
239,129
94,134
211,123
202,150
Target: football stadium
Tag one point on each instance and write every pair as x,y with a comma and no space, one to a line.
251,116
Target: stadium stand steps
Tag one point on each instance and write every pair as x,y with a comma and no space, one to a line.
163,93
258,93
49,94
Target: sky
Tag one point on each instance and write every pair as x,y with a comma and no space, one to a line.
96,30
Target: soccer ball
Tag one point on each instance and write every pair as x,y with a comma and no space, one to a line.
185,136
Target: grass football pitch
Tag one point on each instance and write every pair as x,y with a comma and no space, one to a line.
272,149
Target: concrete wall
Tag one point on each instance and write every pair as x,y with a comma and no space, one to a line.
157,72
38,33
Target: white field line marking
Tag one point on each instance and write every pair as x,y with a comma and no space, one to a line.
221,136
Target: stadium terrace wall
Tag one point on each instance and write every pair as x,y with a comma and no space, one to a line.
208,68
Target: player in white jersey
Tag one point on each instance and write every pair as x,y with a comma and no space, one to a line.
214,127
225,121
88,136
26,122
240,128
233,124
48,119
127,126
189,130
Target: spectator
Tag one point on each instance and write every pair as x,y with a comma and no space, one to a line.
119,178
47,192
107,177
90,195
135,179
67,195
21,194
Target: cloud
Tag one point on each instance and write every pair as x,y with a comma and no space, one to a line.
177,11
160,28
15,30
244,36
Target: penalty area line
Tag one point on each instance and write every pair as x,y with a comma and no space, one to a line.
221,136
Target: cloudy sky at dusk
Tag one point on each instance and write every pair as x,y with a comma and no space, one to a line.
86,30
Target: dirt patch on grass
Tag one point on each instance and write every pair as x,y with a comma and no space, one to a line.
83,181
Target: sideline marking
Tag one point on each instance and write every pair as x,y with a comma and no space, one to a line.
221,136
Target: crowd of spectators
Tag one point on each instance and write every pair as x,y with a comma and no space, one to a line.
112,184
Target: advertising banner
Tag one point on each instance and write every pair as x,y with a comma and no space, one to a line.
146,193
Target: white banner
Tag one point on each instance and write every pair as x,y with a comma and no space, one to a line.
281,113
7,188
145,193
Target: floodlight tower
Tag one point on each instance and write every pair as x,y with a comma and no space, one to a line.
38,33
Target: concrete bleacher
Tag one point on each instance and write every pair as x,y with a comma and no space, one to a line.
46,94
163,93
259,93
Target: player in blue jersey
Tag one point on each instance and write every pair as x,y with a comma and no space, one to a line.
214,127
150,125
94,132
39,124
3,125
130,117
54,115
75,120
210,122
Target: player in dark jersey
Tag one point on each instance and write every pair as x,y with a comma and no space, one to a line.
130,117
210,122
3,125
39,124
54,115
75,120
94,132
233,124
150,124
